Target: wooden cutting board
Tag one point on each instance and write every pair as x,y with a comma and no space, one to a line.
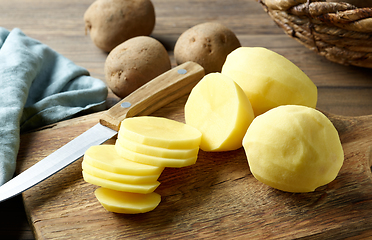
216,198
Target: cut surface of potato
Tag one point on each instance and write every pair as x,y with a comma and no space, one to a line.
123,178
269,79
160,132
118,186
157,151
220,110
153,160
106,158
293,148
125,202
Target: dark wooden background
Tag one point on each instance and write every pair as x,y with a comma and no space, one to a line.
343,90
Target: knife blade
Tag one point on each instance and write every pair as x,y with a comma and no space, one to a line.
155,94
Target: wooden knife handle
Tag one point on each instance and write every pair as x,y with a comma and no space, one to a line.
155,94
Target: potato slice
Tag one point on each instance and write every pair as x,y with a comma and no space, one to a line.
269,79
122,178
152,160
106,158
160,132
220,110
125,202
293,148
157,151
125,187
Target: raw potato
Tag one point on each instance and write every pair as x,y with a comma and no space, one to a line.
123,178
153,160
293,148
220,110
112,22
269,79
160,132
135,62
106,158
207,44
157,151
119,186
128,203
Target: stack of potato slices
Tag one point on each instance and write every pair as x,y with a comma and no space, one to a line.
127,172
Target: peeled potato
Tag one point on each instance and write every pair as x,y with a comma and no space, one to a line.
112,22
135,62
125,202
160,132
120,186
269,79
156,151
106,158
220,110
117,177
207,44
154,160
293,148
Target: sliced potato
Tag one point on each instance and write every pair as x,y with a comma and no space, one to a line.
160,132
157,151
123,178
125,202
118,186
106,158
153,160
220,110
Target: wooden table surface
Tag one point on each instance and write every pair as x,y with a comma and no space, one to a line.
342,90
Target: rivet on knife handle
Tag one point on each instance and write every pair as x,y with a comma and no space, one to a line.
155,94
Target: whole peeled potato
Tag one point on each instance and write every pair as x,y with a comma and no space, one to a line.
207,44
133,63
112,22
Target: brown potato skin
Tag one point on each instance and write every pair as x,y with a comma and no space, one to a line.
207,44
133,63
111,22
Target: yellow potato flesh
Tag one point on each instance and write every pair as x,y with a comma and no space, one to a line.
220,110
157,151
118,186
293,148
153,160
269,79
160,132
125,202
123,178
106,158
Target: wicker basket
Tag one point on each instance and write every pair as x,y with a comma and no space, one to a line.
339,31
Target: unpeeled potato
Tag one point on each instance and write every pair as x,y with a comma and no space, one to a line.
112,22
133,63
207,44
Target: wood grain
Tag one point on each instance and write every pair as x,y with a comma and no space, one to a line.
217,197
59,24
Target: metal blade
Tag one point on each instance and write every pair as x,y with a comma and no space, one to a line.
56,161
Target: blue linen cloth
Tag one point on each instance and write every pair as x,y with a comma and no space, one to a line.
38,86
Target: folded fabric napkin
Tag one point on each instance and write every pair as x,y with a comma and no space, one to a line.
38,86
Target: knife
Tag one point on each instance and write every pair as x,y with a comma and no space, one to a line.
148,98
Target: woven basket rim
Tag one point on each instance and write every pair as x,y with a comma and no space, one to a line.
338,13
338,31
